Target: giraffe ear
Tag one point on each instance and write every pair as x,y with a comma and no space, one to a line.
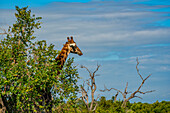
68,39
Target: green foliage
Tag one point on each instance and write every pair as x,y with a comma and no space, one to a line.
157,107
108,106
28,72
115,107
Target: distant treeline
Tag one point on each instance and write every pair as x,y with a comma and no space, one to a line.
109,106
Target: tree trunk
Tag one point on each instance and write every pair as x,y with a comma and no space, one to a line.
2,107
124,103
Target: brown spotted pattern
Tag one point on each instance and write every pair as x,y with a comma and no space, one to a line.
69,47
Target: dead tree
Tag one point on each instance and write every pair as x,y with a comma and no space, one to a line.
92,86
132,94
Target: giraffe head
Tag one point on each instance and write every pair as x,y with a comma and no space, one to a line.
73,47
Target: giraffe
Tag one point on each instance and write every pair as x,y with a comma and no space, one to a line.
69,47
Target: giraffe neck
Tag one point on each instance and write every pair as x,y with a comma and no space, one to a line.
61,58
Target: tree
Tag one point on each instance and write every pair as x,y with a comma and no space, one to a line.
28,71
132,95
92,85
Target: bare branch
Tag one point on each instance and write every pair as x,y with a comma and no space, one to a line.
124,94
110,89
129,92
86,68
97,97
138,69
97,75
126,88
138,97
95,106
84,96
98,66
4,31
115,98
90,83
147,77
146,92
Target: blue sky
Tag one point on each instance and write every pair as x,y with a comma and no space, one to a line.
111,33
6,4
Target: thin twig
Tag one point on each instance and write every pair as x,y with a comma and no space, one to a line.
138,69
